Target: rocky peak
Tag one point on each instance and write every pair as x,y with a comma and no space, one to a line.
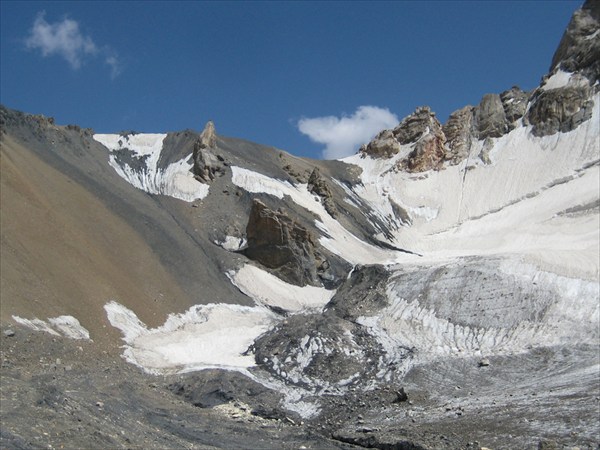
565,98
579,48
420,128
207,164
208,137
278,242
458,132
416,125
384,145
423,129
490,118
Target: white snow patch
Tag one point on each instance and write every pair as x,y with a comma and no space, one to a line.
257,183
176,180
563,79
232,243
70,327
268,290
67,326
557,80
205,336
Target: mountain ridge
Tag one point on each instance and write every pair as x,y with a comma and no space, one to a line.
438,257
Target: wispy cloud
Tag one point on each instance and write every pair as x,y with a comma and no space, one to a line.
66,40
342,136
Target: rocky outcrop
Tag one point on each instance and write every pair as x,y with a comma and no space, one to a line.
514,103
281,244
414,126
384,145
560,110
319,351
318,186
425,130
207,164
579,48
420,128
564,100
459,133
490,118
332,350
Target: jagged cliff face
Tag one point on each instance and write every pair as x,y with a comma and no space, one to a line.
441,255
562,102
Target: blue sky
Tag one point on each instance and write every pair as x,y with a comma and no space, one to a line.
270,72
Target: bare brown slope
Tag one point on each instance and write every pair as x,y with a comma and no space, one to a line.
64,252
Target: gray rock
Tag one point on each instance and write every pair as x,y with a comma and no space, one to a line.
490,118
207,165
317,351
547,444
401,396
318,186
514,102
560,110
579,48
281,244
415,125
484,154
459,134
384,145
484,362
9,333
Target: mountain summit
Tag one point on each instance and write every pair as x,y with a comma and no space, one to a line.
439,289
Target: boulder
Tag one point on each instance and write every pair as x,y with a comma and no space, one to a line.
279,243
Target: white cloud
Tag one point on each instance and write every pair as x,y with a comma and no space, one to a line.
115,66
343,136
64,39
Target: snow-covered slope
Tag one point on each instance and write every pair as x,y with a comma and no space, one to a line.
143,152
523,201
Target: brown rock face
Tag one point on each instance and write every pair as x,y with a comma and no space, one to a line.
318,186
420,128
459,134
279,243
423,128
384,145
415,125
207,165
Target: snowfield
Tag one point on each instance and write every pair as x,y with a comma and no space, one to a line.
268,290
176,180
205,336
517,204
